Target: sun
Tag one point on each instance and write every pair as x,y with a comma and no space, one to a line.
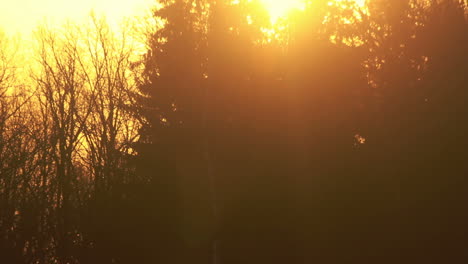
280,8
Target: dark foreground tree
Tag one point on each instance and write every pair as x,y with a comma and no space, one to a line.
325,159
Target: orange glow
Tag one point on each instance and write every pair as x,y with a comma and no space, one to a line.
280,8
22,16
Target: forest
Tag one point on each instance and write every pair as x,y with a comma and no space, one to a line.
211,133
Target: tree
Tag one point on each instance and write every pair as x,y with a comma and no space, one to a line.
61,86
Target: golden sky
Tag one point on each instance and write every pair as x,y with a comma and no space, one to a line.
22,16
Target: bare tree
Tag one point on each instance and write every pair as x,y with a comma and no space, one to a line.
110,128
61,86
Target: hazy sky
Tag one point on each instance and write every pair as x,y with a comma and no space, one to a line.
22,16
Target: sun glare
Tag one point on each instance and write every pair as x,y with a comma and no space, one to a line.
280,8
